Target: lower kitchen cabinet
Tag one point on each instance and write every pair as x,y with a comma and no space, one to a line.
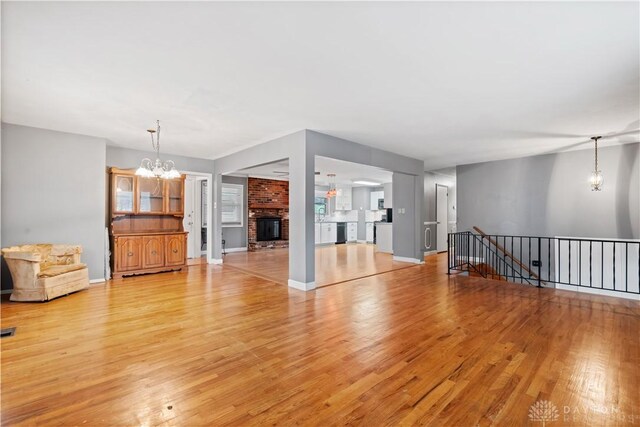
352,231
369,228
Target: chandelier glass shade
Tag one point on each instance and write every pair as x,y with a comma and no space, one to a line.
333,192
158,169
596,179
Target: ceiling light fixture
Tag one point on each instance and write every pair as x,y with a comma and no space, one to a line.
365,182
157,169
596,178
333,192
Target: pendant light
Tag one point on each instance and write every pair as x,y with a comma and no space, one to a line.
596,178
157,169
332,185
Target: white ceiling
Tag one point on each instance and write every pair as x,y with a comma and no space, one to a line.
346,172
450,83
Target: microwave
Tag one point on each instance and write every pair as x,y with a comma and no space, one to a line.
380,204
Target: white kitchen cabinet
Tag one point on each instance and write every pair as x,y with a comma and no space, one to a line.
344,198
328,232
388,195
352,231
369,229
384,240
318,233
375,196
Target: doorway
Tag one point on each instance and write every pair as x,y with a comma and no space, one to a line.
442,220
195,215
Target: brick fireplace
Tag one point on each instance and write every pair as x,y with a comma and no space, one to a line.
267,198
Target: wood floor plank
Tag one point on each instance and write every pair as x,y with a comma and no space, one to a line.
216,346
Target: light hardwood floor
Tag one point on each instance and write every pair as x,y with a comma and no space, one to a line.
216,346
334,263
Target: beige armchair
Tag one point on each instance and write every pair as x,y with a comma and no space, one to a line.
42,272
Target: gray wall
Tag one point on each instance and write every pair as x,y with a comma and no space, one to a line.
549,195
236,237
53,191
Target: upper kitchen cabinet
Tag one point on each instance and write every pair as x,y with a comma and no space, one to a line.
388,195
377,200
344,198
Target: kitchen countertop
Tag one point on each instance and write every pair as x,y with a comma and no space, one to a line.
383,223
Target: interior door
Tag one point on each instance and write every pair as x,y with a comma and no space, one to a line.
442,197
189,216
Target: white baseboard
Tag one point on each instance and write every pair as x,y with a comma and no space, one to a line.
309,286
361,241
231,250
405,259
429,253
216,261
605,292
92,281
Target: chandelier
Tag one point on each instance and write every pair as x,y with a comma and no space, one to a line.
596,178
157,169
332,185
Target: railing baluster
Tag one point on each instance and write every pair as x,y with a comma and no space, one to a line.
614,265
590,265
626,266
579,263
549,261
602,265
569,241
539,262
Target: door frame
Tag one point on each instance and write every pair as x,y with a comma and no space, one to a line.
438,223
209,179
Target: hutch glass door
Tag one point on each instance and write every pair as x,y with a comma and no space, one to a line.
150,193
175,204
124,194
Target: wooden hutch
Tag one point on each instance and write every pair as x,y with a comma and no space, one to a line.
147,235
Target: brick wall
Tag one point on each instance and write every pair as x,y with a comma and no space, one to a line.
267,198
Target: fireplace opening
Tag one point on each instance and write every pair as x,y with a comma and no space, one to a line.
268,229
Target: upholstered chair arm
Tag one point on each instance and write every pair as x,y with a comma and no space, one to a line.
24,269
25,256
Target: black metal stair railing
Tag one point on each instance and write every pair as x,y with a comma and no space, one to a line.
598,264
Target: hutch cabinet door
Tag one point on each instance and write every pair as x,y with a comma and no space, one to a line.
123,190
174,245
174,199
150,195
128,253
153,254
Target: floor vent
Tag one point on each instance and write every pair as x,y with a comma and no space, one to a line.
9,332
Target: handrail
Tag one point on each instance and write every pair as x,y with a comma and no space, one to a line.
506,253
519,273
